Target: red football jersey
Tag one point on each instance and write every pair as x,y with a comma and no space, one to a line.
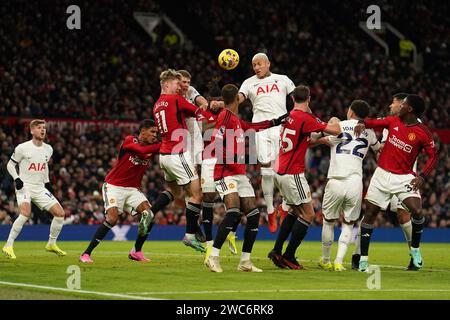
403,145
294,140
170,112
231,154
131,164
207,137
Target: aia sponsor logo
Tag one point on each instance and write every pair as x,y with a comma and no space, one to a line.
267,89
36,167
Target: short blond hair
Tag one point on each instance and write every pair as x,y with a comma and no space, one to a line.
169,74
36,122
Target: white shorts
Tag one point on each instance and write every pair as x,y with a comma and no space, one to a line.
39,195
385,184
268,144
178,167
343,196
239,183
123,198
293,188
207,176
195,141
396,204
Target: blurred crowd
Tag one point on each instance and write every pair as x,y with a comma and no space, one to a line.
109,70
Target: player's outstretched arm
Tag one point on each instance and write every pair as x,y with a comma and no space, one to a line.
333,128
132,144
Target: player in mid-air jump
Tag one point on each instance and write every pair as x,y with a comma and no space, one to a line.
170,112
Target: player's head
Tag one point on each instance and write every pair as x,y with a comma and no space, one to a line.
185,81
148,131
301,94
38,129
397,100
412,104
359,109
261,64
170,81
230,95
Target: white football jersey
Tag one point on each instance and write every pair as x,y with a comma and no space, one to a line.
267,95
33,162
348,152
385,136
194,127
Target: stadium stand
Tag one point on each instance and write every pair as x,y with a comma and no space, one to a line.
109,70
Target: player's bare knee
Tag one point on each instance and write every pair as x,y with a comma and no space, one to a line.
209,197
57,211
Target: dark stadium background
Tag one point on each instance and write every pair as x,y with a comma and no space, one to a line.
109,70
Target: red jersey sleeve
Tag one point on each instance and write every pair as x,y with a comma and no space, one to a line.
132,144
378,123
186,107
313,124
430,149
255,125
192,110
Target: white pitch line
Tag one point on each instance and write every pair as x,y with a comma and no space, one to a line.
199,255
289,290
107,294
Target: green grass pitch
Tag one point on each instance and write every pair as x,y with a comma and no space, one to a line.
177,272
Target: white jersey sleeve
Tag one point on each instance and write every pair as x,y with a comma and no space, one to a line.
17,156
290,86
244,89
192,94
385,135
348,151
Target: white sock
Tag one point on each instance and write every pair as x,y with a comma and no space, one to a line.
327,240
407,231
55,229
267,185
245,256
15,230
358,239
209,243
344,240
190,236
214,252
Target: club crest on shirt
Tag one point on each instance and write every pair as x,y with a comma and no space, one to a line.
412,136
231,185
